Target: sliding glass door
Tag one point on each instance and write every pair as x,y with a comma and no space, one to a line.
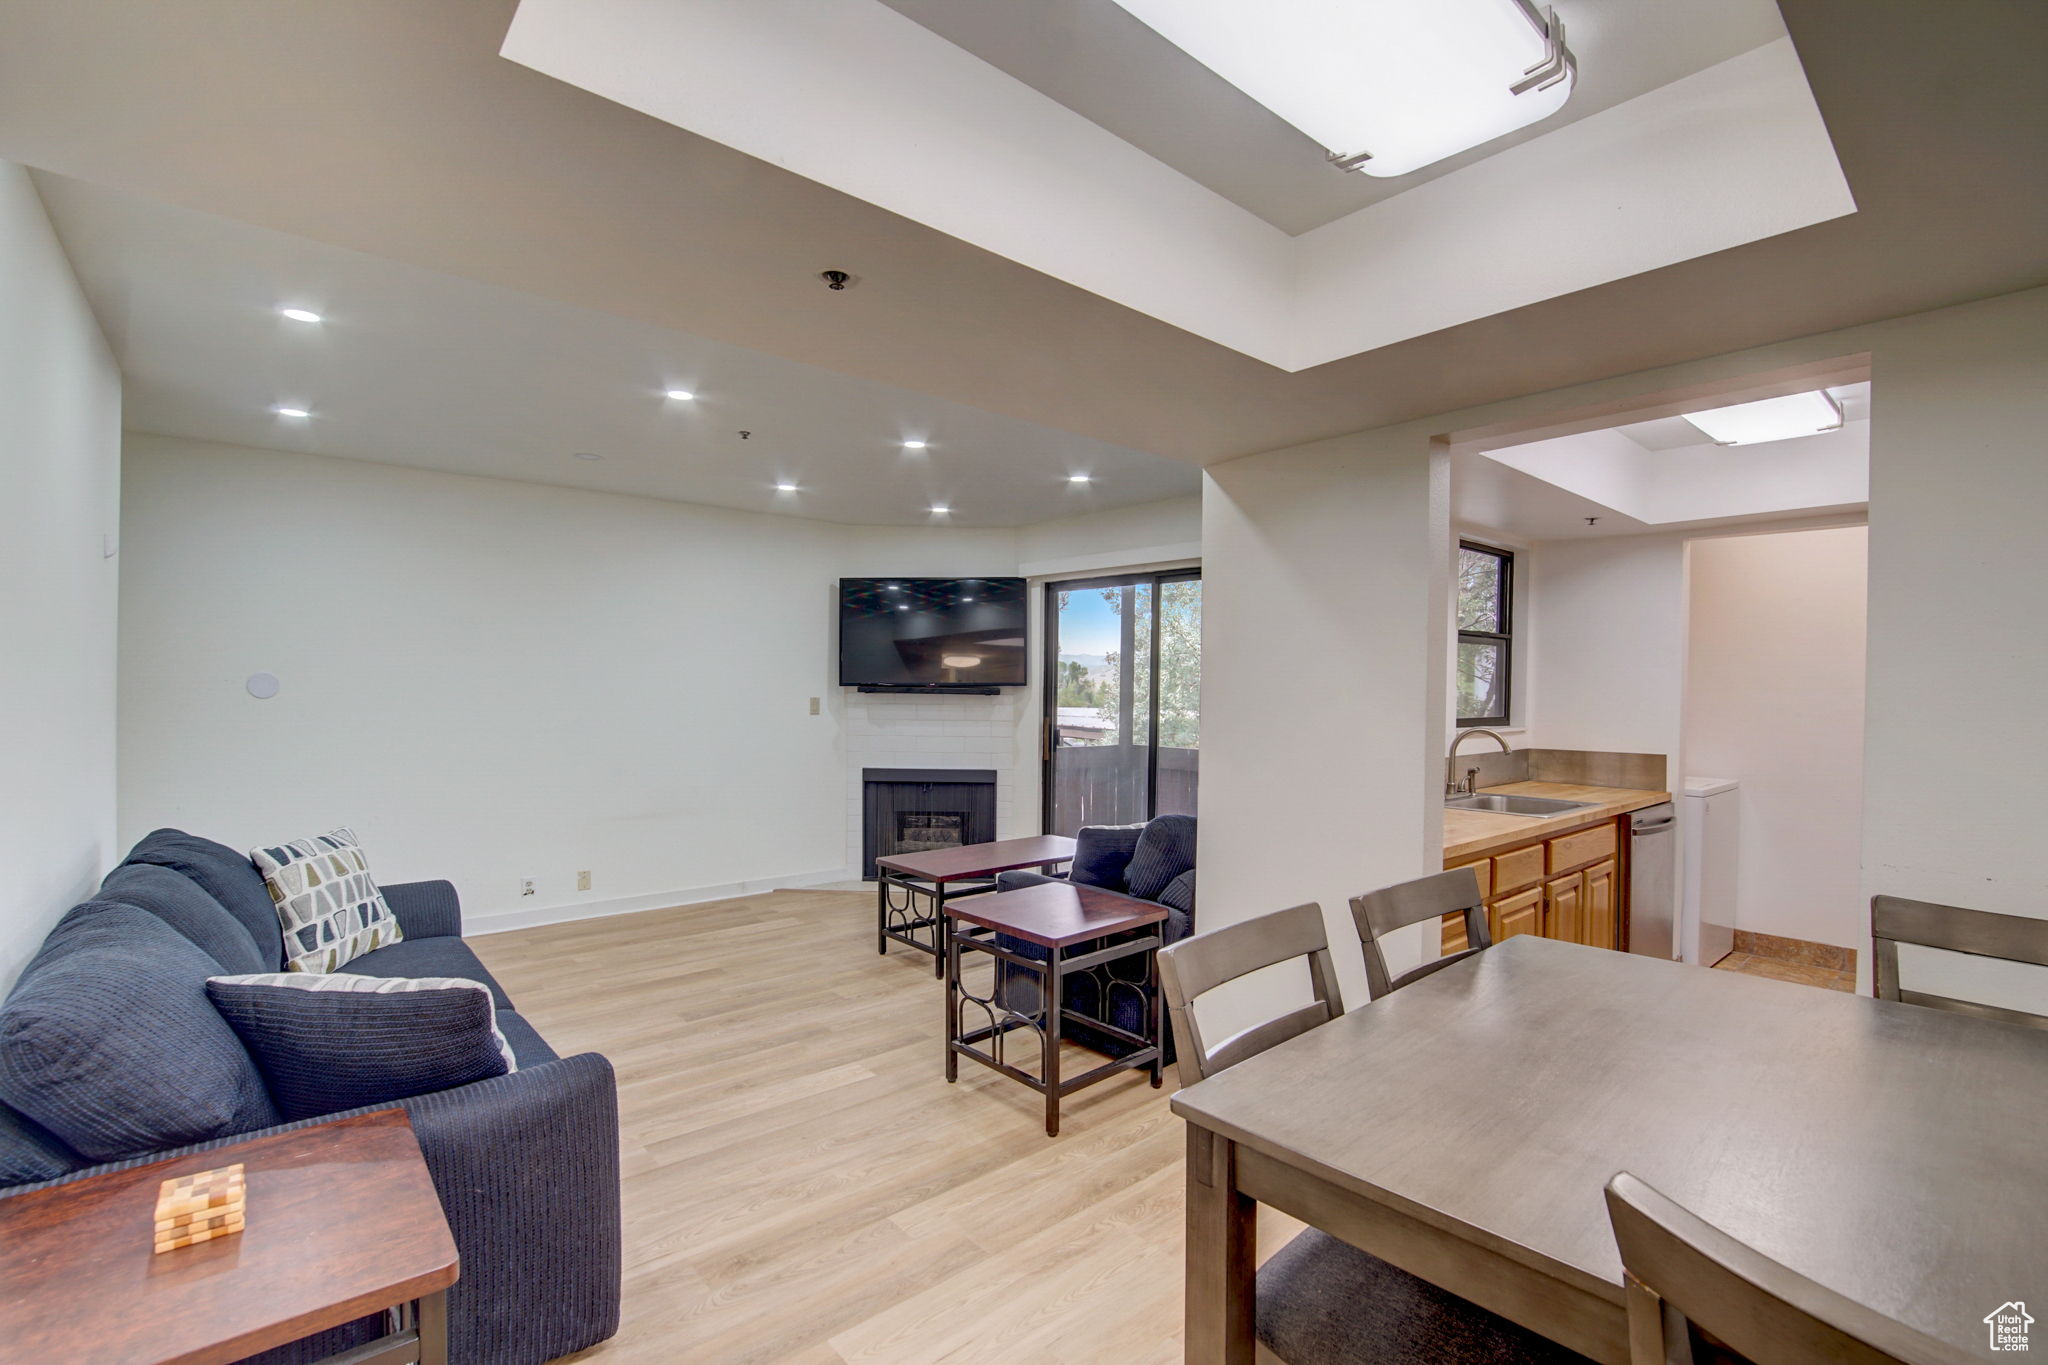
1119,749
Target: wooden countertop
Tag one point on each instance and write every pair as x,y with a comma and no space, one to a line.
1470,834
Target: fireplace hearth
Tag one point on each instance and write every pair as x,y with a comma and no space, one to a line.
915,810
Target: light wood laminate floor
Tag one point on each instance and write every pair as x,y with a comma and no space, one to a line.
801,1184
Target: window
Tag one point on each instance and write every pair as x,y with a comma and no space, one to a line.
1486,616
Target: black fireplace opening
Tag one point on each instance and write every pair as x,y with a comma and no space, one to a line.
917,810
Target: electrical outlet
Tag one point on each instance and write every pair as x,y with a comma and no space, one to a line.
526,886
814,706
583,880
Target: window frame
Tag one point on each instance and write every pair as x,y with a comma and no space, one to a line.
1505,638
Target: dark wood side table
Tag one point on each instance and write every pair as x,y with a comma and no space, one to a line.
343,1222
938,875
1057,916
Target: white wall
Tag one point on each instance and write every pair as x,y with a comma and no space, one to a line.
1958,500
1152,533
494,680
60,451
1326,615
1774,697
488,679
1607,646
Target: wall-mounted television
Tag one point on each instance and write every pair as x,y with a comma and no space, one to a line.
932,633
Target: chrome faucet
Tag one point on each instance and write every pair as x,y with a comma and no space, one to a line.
1452,787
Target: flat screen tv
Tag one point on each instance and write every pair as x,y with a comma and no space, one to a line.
933,633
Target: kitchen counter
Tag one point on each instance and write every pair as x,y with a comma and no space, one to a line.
1470,834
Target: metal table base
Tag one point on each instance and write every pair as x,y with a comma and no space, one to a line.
1049,1019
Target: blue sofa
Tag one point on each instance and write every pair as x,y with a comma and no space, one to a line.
526,1164
1152,862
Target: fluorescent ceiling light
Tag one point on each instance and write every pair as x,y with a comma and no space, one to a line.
1772,419
299,314
785,488
1077,478
681,395
291,412
941,508
1402,83
913,445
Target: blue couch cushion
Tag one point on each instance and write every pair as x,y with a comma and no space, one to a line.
427,957
183,904
229,877
527,1045
29,1152
1165,850
329,1042
1179,900
1101,853
109,1042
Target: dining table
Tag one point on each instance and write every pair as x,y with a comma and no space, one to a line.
1463,1128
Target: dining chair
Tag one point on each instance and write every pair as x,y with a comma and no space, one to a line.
1379,913
1683,1276
2014,938
1321,1301
1195,966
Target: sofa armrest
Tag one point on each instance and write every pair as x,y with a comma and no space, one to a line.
425,909
1012,881
527,1168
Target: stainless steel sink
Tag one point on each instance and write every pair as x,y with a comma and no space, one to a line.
1515,805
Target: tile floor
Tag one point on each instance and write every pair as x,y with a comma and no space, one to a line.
1752,965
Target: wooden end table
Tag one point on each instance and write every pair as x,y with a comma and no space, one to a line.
1057,916
938,875
343,1222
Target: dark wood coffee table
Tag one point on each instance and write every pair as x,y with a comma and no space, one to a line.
343,1222
938,875
1057,916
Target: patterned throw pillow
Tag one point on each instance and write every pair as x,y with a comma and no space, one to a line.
330,908
328,1043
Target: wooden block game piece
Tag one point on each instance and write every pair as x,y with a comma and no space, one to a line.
198,1208
174,1243
196,1193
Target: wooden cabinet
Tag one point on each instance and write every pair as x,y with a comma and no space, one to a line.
1564,908
1602,908
1566,887
1521,913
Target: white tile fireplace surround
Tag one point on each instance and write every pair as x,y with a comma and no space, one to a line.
893,730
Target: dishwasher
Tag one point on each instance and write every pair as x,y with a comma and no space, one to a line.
1653,882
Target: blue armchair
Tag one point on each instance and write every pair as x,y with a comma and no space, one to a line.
1149,862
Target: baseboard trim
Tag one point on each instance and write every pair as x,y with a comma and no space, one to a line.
499,921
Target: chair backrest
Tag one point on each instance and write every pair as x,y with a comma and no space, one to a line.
1379,913
1195,966
2015,938
1681,1272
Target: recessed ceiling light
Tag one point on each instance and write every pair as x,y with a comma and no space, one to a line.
966,599
291,412
903,606
1772,419
941,508
785,488
681,395
1388,87
913,445
588,455
1077,478
299,314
